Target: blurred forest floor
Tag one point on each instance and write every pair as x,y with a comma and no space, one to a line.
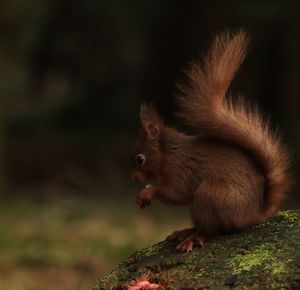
69,243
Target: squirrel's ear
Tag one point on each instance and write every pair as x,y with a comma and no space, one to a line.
150,122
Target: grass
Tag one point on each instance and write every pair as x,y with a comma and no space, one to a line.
71,242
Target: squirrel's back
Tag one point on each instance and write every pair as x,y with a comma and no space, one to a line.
204,105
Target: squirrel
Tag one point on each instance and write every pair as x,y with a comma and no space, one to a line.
233,173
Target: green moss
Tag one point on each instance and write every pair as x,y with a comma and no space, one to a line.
287,216
246,262
152,250
259,256
278,267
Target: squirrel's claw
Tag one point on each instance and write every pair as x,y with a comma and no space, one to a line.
144,197
191,241
142,202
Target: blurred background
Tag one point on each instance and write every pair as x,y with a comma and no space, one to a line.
72,76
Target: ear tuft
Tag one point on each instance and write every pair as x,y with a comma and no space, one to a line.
150,122
148,113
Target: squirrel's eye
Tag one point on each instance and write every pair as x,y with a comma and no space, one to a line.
140,159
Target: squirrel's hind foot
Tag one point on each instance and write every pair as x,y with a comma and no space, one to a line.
193,240
180,235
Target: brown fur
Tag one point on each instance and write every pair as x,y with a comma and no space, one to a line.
234,173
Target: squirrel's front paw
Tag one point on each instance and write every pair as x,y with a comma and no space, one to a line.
145,196
142,202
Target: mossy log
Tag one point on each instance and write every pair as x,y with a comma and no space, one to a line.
266,256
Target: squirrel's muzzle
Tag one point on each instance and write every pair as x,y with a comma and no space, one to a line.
137,176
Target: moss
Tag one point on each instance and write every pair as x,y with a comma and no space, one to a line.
262,257
152,250
277,267
287,216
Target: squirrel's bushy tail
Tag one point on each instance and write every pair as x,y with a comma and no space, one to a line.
203,105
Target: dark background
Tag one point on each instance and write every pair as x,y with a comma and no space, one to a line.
73,74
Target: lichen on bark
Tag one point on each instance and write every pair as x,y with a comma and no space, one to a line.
266,256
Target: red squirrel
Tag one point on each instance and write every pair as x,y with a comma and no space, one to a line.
233,173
